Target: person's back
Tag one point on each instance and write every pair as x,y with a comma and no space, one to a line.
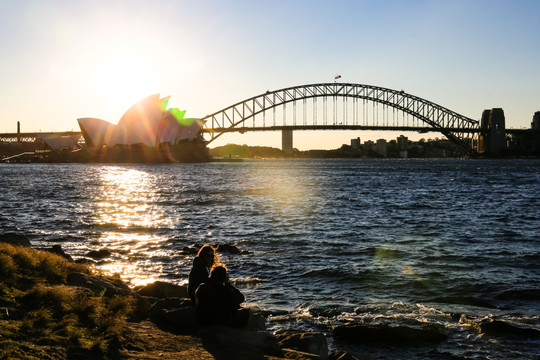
218,302
199,272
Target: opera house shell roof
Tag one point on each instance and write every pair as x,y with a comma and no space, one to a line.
148,122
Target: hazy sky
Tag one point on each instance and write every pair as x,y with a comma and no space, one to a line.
62,60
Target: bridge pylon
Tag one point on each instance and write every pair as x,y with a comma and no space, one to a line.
287,141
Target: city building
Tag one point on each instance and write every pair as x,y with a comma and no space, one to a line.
535,125
355,143
402,146
381,147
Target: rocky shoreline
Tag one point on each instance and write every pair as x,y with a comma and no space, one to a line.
162,324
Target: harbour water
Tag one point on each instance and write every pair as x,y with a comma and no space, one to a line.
416,244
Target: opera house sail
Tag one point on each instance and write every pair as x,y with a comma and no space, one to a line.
147,132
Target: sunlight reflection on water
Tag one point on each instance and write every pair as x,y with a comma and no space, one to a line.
124,204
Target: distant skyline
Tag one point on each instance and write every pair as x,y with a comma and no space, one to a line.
63,60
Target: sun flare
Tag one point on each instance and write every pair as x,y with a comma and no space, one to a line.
124,77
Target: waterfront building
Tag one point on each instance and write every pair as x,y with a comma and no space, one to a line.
146,123
535,125
402,146
355,143
381,147
147,132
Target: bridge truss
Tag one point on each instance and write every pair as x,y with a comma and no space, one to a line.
341,106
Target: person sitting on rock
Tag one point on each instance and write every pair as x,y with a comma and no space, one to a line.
203,262
218,301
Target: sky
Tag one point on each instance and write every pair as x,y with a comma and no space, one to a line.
63,60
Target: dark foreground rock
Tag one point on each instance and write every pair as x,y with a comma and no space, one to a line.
241,344
57,249
230,249
15,239
369,334
307,342
97,284
99,254
343,355
496,327
161,290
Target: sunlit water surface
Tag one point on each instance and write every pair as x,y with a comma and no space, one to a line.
324,243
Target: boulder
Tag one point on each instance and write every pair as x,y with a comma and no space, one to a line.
382,333
309,342
239,343
181,321
225,248
57,249
343,355
15,239
85,261
190,250
167,304
256,321
491,326
109,287
142,308
299,355
99,254
161,290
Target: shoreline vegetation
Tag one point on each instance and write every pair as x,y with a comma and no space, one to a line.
52,307
423,149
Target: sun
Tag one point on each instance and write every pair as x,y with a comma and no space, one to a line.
124,77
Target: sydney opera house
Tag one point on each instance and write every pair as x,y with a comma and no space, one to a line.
147,132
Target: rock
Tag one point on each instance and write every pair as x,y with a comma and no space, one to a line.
299,355
161,290
167,304
190,250
57,249
99,254
142,308
109,287
309,342
256,321
180,321
225,248
15,239
343,355
236,343
85,261
368,334
491,326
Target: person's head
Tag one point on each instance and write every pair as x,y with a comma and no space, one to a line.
219,273
208,254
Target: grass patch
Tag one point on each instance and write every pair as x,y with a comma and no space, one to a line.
66,321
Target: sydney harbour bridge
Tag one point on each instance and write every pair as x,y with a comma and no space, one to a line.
331,106
340,106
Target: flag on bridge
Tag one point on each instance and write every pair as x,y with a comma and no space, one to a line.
337,77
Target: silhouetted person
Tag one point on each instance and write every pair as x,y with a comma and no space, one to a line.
218,302
203,262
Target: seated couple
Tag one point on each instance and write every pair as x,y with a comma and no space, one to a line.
216,300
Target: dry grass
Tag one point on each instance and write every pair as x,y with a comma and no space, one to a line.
36,303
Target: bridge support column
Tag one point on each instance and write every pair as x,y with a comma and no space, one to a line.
492,139
286,141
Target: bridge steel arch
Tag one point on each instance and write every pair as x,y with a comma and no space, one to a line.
455,127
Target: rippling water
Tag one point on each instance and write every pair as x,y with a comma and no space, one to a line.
325,243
